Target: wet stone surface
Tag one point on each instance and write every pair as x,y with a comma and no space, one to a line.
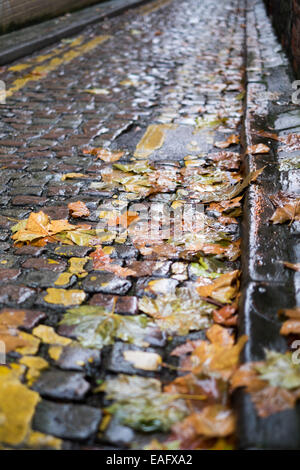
134,120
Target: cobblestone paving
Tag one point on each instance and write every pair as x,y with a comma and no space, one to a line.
163,85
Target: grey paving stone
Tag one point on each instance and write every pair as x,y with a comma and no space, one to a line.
67,421
61,385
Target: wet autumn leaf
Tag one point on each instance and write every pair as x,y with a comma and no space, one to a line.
78,209
268,135
95,327
140,403
143,360
37,226
97,91
103,262
178,312
288,208
9,333
258,148
213,421
291,326
279,370
273,384
69,176
64,297
17,406
223,289
226,315
218,357
226,160
49,336
231,140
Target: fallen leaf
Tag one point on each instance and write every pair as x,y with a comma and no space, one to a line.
68,176
223,289
78,209
291,326
232,139
49,336
64,297
213,421
17,406
258,148
269,135
103,262
97,91
143,360
178,312
140,403
95,327
288,208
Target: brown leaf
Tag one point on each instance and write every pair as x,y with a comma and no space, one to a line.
213,421
269,135
288,208
232,139
291,326
258,148
226,160
271,400
226,315
78,209
222,289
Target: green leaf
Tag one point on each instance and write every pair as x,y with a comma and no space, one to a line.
278,369
141,404
178,312
95,327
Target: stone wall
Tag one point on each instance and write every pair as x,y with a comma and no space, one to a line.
285,16
17,13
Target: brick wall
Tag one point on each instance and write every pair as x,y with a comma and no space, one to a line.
16,13
285,16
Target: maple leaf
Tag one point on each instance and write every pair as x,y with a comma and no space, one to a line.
222,289
178,312
39,226
218,357
78,209
211,422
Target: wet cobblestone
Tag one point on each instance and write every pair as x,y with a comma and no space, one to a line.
171,75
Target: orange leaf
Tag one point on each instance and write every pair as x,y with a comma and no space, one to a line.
258,148
78,209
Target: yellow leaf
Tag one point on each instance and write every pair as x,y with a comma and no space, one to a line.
64,297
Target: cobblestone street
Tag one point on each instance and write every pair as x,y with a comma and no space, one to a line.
120,336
